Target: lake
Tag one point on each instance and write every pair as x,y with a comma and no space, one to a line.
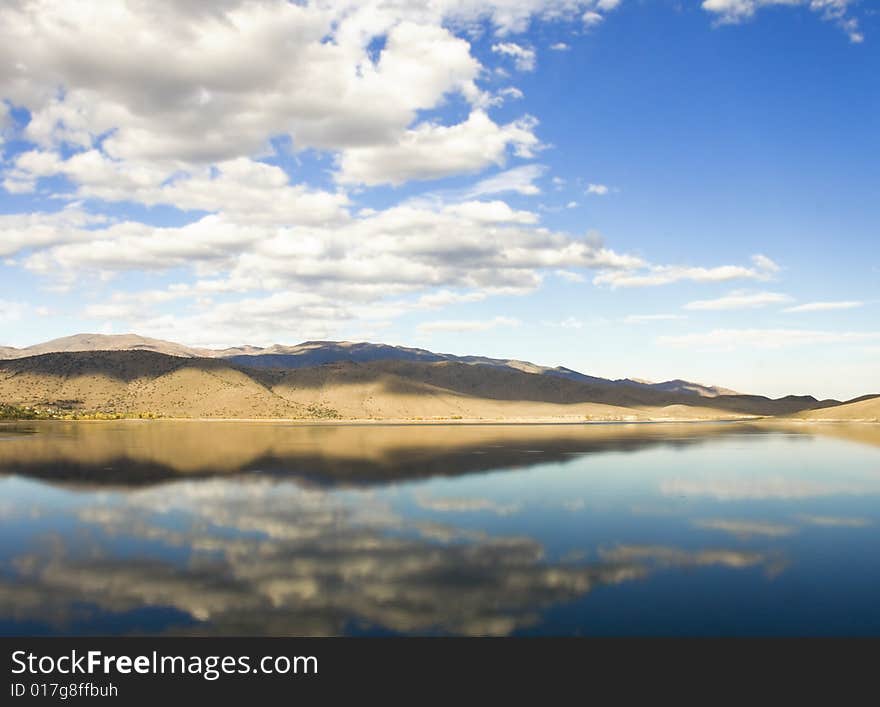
274,528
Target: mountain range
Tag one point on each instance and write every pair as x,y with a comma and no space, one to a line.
133,375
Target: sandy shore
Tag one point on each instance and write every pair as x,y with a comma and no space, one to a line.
574,420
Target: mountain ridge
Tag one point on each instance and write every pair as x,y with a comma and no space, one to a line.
318,352
140,382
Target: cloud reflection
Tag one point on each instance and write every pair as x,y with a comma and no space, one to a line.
778,487
267,558
254,556
746,528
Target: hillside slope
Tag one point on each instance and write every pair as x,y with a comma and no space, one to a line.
862,409
133,382
316,353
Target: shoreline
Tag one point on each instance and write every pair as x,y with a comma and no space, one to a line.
400,422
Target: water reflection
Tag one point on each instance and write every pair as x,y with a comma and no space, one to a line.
261,557
251,529
133,452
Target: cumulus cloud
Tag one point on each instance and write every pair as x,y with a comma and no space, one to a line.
242,188
31,231
432,151
139,87
327,274
463,242
597,190
523,57
157,74
178,104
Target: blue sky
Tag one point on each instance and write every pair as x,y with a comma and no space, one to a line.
646,189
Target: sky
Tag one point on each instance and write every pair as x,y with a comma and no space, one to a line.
631,188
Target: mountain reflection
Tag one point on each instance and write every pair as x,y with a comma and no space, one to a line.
134,453
273,528
251,557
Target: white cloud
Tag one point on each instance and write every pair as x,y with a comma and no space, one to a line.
172,103
157,73
402,244
431,151
597,189
241,188
740,300
729,339
511,92
466,325
824,306
590,18
763,269
594,12
490,212
146,80
736,11
27,231
364,267
560,47
519,179
523,57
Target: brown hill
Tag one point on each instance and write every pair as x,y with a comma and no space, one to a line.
316,353
861,409
134,382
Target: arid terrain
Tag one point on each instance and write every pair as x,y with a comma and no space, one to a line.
136,377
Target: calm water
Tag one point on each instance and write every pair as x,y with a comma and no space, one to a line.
272,528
